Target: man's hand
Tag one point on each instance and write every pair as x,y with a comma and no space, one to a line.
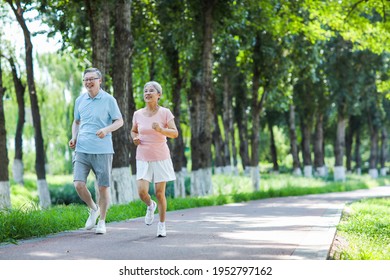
72,143
101,133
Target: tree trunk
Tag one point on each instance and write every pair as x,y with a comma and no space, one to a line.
306,151
293,142
17,167
319,155
274,154
348,145
358,157
178,157
43,190
254,168
132,109
122,190
384,151
219,147
200,140
234,151
373,171
133,148
201,108
5,196
227,119
241,119
339,170
257,106
98,12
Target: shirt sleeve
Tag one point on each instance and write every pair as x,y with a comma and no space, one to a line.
115,113
76,112
169,116
135,118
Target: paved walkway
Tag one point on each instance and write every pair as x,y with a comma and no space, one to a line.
289,228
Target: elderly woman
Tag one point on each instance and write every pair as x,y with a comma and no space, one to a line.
151,127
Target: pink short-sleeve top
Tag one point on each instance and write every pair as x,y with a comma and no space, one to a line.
153,146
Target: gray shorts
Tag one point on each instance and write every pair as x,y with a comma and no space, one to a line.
101,165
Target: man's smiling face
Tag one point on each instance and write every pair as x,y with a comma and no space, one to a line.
92,83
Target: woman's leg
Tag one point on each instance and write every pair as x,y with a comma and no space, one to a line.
162,202
143,191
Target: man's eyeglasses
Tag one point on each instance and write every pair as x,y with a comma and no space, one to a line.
90,79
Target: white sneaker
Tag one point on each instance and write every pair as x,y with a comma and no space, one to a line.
101,227
149,217
93,215
161,231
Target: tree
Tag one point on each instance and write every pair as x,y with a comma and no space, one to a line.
201,99
352,20
5,196
43,190
123,189
293,141
172,17
341,75
99,22
17,168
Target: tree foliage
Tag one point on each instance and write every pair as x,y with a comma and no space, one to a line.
232,71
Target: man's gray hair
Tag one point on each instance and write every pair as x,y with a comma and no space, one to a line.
93,70
156,85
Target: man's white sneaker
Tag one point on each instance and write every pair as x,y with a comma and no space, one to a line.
161,231
93,215
149,217
101,227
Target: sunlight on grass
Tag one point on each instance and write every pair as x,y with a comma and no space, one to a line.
366,228
22,196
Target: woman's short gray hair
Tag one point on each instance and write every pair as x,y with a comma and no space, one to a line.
156,85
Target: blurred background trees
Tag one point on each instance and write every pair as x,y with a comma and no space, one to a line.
255,85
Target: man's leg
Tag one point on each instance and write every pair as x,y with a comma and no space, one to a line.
84,194
104,201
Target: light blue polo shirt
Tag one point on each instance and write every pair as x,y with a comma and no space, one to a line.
94,114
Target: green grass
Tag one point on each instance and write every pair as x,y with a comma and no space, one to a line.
365,230
26,219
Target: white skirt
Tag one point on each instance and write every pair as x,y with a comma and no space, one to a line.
155,171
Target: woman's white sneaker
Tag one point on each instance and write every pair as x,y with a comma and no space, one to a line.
161,231
149,217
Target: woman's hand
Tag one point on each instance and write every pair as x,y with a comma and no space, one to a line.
136,141
156,127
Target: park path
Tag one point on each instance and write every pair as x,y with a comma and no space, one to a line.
288,228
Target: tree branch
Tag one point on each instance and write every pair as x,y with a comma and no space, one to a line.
354,6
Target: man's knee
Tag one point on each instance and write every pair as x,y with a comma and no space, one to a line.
79,185
104,191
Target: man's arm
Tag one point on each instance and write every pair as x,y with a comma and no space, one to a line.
75,132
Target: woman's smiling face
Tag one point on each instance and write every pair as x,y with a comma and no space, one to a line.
151,94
